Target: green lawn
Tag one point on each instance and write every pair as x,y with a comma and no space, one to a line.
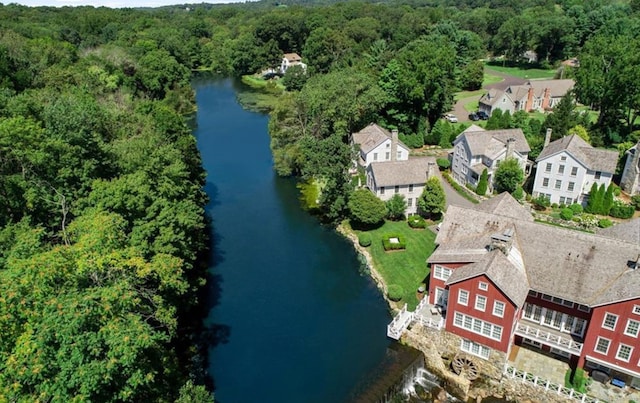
468,94
522,72
407,268
471,106
491,79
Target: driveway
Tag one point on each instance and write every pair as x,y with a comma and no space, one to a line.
453,198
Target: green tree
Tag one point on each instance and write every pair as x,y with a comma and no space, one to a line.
472,75
396,207
607,201
593,204
365,208
483,183
295,78
495,120
508,176
432,200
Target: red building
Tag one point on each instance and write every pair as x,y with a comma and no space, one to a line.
502,279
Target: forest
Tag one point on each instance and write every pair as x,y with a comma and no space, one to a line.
103,234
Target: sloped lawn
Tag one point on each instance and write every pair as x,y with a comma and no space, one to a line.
406,268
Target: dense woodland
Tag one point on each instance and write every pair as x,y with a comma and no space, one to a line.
103,235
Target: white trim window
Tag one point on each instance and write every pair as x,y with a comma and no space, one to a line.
498,308
483,286
624,352
481,303
632,328
463,297
609,321
477,326
475,349
441,273
602,345
636,309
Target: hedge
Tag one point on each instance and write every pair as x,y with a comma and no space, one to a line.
416,221
621,210
605,223
364,239
388,245
395,292
566,213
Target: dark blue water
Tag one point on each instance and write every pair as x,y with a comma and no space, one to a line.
296,321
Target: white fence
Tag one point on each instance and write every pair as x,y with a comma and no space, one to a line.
563,343
531,379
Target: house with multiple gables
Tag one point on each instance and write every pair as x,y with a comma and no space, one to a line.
377,144
630,181
403,177
289,60
534,95
502,279
476,149
569,166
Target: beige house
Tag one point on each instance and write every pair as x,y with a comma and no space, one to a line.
534,95
406,178
476,149
376,144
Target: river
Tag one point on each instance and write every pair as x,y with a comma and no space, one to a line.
293,320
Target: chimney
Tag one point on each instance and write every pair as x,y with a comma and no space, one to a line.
529,105
510,144
546,99
431,170
547,137
394,144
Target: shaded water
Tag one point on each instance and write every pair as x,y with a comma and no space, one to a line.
293,320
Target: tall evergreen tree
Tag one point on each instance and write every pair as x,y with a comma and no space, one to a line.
607,201
592,204
483,183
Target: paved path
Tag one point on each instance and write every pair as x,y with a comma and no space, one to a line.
453,198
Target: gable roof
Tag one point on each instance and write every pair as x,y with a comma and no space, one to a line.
491,142
588,269
504,204
557,88
372,136
594,159
292,57
510,279
493,95
413,171
626,231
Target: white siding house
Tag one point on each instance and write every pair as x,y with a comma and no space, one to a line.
476,149
376,144
568,167
291,59
406,178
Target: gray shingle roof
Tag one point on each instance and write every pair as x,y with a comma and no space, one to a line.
504,204
627,231
372,136
589,269
594,159
511,280
396,173
486,142
557,88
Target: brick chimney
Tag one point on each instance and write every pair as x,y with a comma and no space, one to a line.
546,99
394,145
510,144
431,170
547,137
529,105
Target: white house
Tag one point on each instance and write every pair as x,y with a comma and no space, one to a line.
569,166
291,59
630,181
476,149
377,144
534,95
406,178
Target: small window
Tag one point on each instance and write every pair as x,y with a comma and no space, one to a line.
483,286
481,303
609,321
498,308
399,155
571,186
545,182
557,300
463,297
561,168
597,175
397,189
388,145
563,158
602,346
632,328
387,156
441,273
410,188
583,308
558,184
567,303
375,156
546,297
562,199
548,167
574,171
533,293
409,202
636,309
382,190
624,352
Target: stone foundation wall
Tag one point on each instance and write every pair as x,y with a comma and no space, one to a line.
440,347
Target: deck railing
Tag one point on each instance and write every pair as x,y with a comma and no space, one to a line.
549,338
399,323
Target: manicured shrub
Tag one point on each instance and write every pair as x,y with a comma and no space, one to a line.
388,245
364,239
540,203
576,380
416,221
605,223
554,205
635,202
621,210
483,183
394,292
576,208
443,163
518,194
566,214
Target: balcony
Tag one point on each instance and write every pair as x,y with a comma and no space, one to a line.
549,337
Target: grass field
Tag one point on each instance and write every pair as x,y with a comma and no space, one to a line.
471,106
468,94
519,71
406,268
491,79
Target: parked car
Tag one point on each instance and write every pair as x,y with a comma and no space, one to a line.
474,117
482,115
451,118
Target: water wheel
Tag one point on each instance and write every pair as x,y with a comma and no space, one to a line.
464,366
